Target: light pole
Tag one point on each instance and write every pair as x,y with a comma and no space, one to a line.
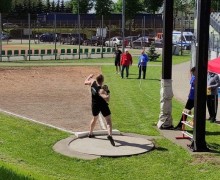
79,28
123,24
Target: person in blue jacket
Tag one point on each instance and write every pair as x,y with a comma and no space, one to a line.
190,102
142,64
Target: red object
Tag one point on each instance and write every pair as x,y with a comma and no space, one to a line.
214,65
126,59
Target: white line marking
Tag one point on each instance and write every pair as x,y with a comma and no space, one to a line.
30,119
101,121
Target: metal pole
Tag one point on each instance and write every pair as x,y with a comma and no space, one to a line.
199,143
102,36
165,117
55,35
1,37
79,28
29,35
181,40
123,24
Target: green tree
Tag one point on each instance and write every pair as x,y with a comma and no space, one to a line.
62,6
132,7
5,6
84,6
152,6
57,6
103,7
39,7
53,6
48,6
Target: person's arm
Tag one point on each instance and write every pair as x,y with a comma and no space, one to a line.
121,59
217,83
131,59
89,80
104,95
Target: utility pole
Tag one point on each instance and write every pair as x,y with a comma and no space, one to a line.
123,25
79,28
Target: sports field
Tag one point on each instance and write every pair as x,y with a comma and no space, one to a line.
36,87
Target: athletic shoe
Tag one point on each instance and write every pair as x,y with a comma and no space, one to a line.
111,140
167,128
91,135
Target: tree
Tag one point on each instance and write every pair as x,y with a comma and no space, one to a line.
57,9
152,6
62,6
5,6
132,7
103,7
84,6
53,6
40,7
48,6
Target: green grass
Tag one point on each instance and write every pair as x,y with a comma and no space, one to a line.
26,148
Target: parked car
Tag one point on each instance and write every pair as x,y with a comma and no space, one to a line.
94,41
144,41
67,38
116,41
47,37
130,39
158,43
9,25
4,36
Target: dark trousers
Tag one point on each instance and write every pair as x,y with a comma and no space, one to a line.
142,68
122,71
189,105
212,104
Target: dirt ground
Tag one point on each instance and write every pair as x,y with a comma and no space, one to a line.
52,95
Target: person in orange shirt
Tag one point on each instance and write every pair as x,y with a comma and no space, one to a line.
126,61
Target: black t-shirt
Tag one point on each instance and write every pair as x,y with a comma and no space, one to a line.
118,55
96,99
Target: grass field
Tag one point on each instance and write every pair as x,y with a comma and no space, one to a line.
26,148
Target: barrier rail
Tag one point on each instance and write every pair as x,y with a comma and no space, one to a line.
56,52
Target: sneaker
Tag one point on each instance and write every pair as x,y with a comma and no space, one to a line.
91,135
111,140
177,128
167,128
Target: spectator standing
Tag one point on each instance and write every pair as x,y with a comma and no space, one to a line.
126,61
142,64
213,82
99,104
190,102
117,60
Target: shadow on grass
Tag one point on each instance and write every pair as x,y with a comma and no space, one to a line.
214,148
9,174
216,133
161,149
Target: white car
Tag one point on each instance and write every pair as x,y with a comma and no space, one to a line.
114,41
10,25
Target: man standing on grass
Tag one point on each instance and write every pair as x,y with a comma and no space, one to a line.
126,61
99,104
142,64
117,60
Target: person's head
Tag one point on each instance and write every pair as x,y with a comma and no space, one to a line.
100,79
142,52
193,69
126,51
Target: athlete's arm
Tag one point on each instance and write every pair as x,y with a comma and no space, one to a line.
104,95
89,80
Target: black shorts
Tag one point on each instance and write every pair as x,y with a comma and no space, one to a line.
117,63
104,109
